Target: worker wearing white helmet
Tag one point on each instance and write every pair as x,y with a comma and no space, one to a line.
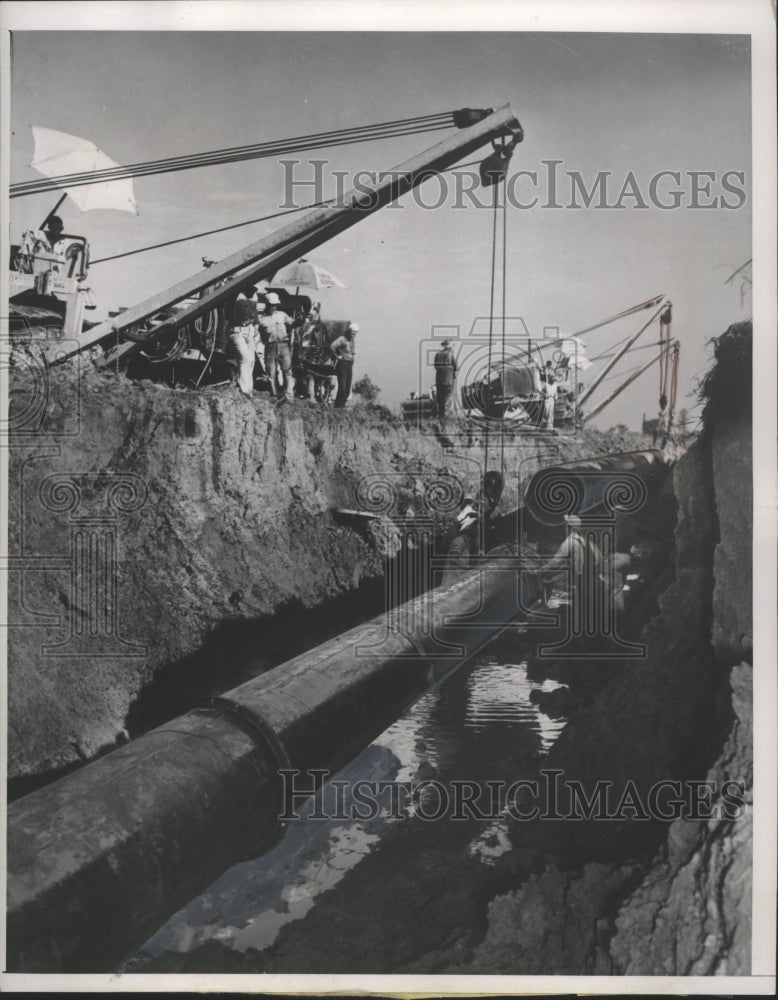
343,350
274,329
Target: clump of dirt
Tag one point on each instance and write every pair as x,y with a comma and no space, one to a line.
727,387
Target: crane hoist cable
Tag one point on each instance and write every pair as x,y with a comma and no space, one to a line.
632,350
665,326
620,374
504,273
661,424
239,225
612,364
233,154
636,374
648,304
495,204
493,171
208,232
671,431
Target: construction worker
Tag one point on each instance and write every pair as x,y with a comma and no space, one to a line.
582,558
274,328
318,374
445,370
36,241
259,346
491,491
343,350
549,396
242,338
53,232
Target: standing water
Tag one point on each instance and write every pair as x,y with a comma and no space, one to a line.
390,809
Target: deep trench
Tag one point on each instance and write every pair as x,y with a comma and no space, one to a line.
238,649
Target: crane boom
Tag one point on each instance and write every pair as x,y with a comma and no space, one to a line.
262,258
663,353
623,351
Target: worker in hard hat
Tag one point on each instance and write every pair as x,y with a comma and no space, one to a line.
275,330
343,350
242,338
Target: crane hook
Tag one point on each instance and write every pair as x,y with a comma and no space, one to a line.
495,166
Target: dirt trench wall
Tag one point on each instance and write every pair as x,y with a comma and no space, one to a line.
692,913
201,518
684,908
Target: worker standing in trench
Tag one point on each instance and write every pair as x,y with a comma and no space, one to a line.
475,530
594,578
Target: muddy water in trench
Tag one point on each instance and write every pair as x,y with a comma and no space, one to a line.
374,861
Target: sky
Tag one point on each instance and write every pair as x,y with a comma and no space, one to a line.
595,102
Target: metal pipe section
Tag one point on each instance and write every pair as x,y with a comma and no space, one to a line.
356,204
99,859
593,484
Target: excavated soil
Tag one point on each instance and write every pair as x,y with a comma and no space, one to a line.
227,558
591,897
232,559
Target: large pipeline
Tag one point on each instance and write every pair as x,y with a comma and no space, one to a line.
99,859
609,483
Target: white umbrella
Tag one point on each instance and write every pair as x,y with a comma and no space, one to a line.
304,274
58,154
